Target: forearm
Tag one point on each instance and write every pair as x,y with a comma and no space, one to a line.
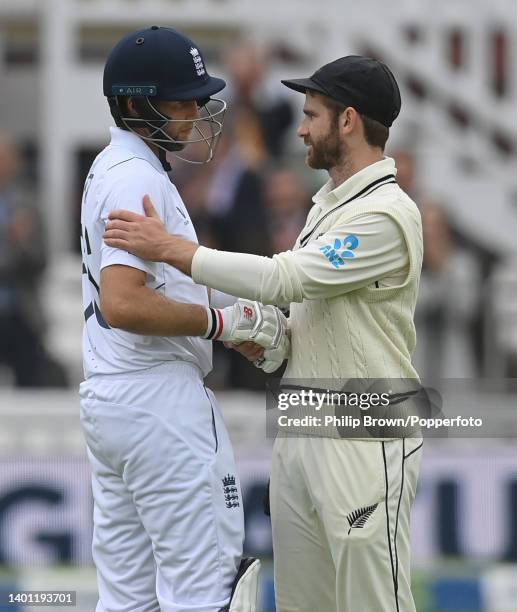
181,258
234,273
143,311
249,276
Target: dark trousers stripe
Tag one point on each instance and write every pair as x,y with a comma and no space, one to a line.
394,561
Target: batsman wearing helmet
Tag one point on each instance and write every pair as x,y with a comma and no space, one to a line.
340,505
168,523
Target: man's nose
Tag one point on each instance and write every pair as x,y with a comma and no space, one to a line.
302,131
194,111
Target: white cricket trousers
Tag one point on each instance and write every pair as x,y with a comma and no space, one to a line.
340,515
168,520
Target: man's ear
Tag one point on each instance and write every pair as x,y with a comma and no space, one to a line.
131,107
348,120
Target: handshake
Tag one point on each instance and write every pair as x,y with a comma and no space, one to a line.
248,321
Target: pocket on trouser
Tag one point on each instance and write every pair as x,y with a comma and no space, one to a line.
413,448
90,427
346,481
213,409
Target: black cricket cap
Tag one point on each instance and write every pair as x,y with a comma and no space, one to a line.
365,83
161,62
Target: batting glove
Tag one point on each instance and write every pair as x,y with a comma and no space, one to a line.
247,320
274,357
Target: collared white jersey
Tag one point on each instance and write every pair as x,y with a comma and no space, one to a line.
120,176
351,280
338,250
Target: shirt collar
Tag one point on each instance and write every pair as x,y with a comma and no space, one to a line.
134,144
329,196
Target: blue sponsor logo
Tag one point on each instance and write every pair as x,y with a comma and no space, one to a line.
340,250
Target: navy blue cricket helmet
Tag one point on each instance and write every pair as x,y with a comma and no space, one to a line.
160,63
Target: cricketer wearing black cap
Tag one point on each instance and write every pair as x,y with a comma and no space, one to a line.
365,83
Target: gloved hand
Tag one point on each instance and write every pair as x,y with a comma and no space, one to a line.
274,357
247,320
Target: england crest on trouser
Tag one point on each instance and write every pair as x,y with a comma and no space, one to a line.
231,493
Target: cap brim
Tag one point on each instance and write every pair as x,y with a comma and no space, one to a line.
212,86
302,85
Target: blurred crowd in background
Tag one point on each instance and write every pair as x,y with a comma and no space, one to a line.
22,266
253,197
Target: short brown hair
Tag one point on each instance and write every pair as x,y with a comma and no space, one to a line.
375,134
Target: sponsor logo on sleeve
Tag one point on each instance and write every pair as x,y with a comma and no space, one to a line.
341,250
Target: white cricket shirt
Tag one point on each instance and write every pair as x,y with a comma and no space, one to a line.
120,176
351,280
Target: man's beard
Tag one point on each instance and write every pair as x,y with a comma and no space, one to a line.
326,153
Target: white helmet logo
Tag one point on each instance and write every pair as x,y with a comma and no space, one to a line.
198,61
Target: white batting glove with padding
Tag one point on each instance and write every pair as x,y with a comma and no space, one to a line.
273,358
247,320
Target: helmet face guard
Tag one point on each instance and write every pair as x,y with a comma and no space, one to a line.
164,64
204,135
